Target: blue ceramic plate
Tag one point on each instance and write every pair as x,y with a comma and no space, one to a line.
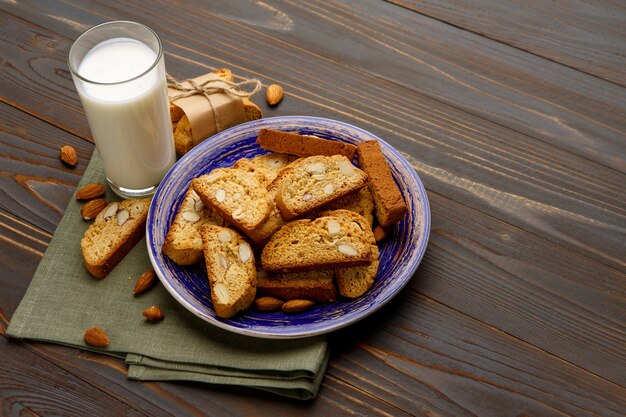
400,254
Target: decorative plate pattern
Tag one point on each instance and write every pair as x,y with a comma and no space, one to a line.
400,254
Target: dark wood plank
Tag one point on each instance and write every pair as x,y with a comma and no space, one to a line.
35,184
41,387
532,95
432,360
588,36
415,356
529,288
527,93
511,176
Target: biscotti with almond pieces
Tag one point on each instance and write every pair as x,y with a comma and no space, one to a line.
389,205
303,145
235,195
324,243
354,282
265,167
230,268
315,182
114,232
183,243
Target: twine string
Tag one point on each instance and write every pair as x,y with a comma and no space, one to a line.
246,88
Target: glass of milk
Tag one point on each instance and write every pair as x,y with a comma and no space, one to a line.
119,73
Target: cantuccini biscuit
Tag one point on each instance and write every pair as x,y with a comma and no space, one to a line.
303,145
389,205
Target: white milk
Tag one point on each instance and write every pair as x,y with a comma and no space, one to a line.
130,122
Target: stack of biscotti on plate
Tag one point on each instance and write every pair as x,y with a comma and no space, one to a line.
307,212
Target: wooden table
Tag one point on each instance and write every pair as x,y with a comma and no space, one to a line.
512,112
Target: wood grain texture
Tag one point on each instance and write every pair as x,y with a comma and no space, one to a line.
588,36
431,360
548,101
509,175
40,387
35,184
527,287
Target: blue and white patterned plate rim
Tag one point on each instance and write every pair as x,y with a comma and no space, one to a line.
295,326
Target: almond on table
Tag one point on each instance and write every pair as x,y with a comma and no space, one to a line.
96,336
92,208
90,191
145,282
69,156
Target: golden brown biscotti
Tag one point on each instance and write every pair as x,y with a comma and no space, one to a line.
354,282
183,243
312,285
265,167
361,202
230,268
303,145
389,204
315,182
235,195
275,220
323,243
114,232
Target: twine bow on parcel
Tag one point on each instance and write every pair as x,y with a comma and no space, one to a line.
210,86
211,103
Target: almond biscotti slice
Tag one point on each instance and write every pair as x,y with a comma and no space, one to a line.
275,220
183,243
302,145
390,206
361,202
265,167
315,182
113,234
324,243
354,282
235,195
311,285
231,269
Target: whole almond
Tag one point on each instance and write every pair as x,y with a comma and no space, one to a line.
68,155
153,314
92,207
224,74
145,282
90,191
96,336
379,233
274,94
297,306
268,304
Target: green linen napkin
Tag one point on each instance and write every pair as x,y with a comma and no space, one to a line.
63,300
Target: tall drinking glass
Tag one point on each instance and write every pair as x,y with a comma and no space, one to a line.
119,73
